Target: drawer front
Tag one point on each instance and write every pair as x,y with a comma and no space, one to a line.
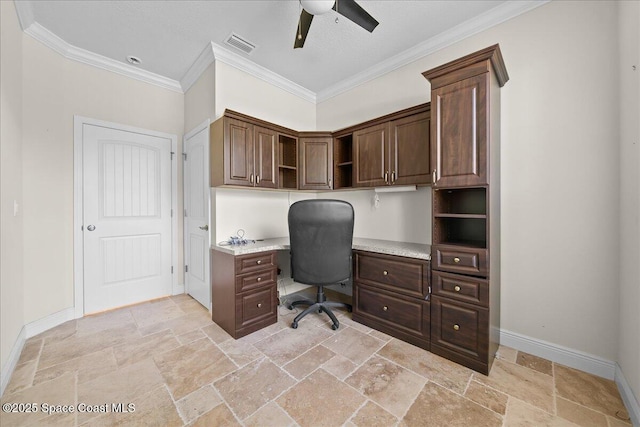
460,288
408,315
257,279
254,262
460,327
458,259
255,306
397,274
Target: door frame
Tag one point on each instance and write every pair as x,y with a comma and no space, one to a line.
199,128
78,204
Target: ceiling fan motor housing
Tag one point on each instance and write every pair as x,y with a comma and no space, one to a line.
317,7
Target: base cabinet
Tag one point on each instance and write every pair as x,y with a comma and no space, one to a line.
390,294
244,295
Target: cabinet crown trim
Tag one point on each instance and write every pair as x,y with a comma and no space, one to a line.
491,53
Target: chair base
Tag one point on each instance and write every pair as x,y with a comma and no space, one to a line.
321,304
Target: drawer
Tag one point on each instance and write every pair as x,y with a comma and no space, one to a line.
397,274
408,315
460,259
257,279
256,306
460,327
254,262
460,288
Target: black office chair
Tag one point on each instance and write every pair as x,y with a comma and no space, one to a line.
321,233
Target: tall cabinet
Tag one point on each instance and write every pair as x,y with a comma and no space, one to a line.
465,168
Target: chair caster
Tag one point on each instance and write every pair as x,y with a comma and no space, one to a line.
334,326
349,309
290,306
294,325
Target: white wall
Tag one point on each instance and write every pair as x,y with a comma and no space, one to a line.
559,167
54,90
629,345
11,277
242,92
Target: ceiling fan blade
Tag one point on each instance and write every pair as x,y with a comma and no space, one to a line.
354,12
303,28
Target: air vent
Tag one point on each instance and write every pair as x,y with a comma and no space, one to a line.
240,43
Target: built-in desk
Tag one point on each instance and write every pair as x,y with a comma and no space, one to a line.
244,284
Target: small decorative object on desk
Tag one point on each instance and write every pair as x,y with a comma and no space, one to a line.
238,239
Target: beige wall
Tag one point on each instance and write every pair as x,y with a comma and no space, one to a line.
199,100
629,346
54,90
559,172
11,277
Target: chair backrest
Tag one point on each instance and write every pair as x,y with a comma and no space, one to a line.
321,235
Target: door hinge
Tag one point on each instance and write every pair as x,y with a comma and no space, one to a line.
172,153
171,213
185,212
172,269
184,155
186,268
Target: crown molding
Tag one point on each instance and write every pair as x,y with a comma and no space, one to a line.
198,67
468,28
69,51
25,14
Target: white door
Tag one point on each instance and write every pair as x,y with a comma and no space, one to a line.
196,216
126,217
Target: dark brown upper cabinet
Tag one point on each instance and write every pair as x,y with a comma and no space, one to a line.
461,121
394,152
315,162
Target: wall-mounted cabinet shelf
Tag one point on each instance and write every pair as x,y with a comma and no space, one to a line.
288,162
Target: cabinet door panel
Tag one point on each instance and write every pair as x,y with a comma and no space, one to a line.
460,327
316,163
238,152
459,133
266,158
371,156
410,150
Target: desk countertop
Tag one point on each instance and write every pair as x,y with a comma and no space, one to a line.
406,249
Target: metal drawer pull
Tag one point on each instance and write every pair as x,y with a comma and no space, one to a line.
385,308
259,279
385,272
259,262
456,288
456,260
456,327
259,305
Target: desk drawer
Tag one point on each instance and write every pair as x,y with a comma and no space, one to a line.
397,274
407,315
257,279
460,288
459,327
254,262
460,259
256,306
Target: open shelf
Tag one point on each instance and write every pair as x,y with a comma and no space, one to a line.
343,161
288,162
463,231
461,201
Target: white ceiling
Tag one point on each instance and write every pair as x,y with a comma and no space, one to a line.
168,36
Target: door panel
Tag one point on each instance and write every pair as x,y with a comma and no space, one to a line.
371,156
196,220
316,163
238,154
266,158
410,150
126,217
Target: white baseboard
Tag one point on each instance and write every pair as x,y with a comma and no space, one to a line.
30,330
12,362
628,397
178,289
556,353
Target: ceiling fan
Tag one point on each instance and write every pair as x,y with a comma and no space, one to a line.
347,8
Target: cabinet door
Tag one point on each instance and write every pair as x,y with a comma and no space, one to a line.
265,158
409,155
459,133
371,156
316,163
238,153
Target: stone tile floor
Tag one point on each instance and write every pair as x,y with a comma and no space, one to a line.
176,367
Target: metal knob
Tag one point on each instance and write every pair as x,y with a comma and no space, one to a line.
456,260
259,305
385,308
204,227
456,327
91,227
259,262
385,273
456,288
259,279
